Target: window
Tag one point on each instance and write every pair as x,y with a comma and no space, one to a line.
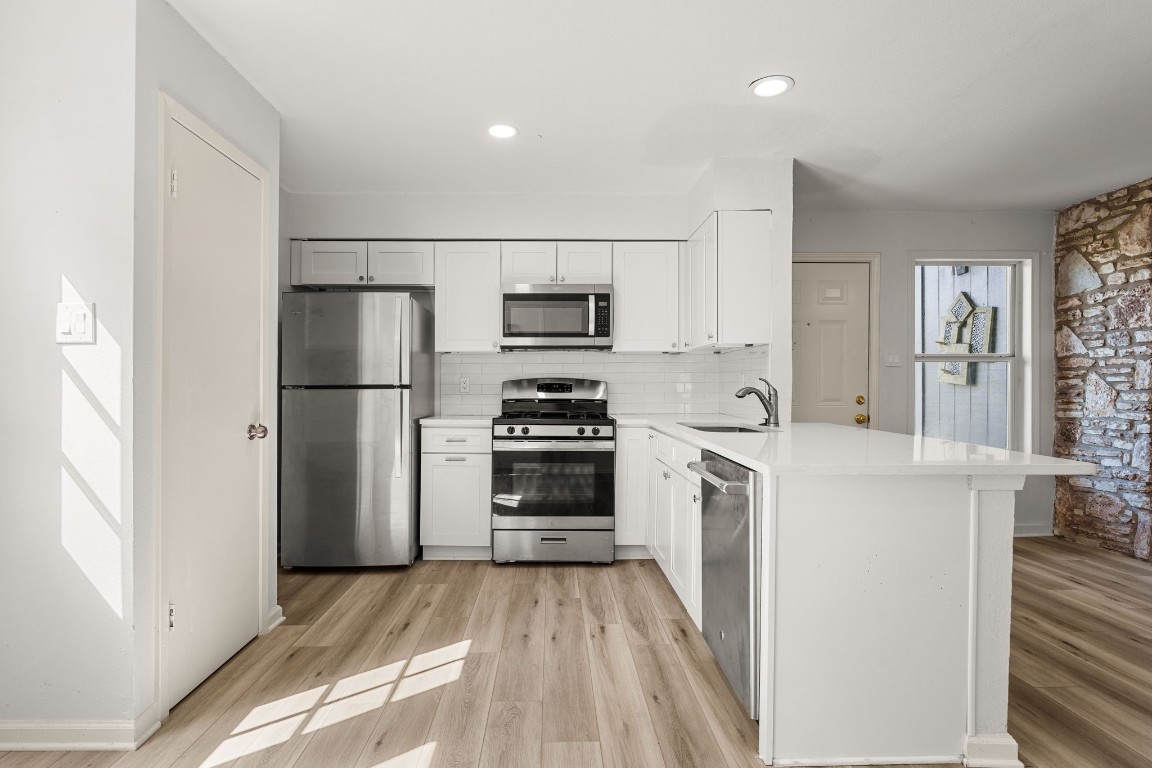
966,351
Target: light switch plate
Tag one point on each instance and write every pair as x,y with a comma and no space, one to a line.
893,360
75,323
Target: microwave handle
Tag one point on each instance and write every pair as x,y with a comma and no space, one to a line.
591,314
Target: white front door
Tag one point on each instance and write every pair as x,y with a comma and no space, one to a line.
212,357
830,334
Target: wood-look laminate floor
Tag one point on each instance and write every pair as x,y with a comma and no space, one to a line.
471,664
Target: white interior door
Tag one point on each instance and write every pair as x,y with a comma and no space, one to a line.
830,316
212,358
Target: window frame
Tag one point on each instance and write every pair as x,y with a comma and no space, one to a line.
1016,358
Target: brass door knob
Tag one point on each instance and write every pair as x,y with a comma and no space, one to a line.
861,418
859,399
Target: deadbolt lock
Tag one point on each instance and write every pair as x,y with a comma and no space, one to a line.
861,418
859,399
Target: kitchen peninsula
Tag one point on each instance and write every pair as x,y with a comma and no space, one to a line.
885,593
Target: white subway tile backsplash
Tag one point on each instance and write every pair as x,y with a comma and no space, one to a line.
692,383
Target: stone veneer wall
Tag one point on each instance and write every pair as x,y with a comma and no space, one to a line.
1104,368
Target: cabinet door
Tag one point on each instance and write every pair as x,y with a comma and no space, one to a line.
709,321
332,262
695,608
467,297
693,333
645,286
631,485
744,277
680,551
584,263
456,499
527,262
394,263
662,516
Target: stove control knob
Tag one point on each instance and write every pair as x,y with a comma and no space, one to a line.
579,430
523,430
511,430
595,430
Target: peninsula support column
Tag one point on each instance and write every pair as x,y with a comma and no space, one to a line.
993,499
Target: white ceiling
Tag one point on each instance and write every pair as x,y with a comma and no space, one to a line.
899,104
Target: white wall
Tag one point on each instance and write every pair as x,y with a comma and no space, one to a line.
78,222
897,234
66,502
488,217
173,58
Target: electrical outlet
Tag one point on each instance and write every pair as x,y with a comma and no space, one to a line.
464,385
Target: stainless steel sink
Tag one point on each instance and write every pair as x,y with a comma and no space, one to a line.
721,427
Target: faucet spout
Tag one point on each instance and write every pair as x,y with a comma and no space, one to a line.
771,402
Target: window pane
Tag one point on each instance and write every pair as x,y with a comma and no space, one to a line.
962,309
963,401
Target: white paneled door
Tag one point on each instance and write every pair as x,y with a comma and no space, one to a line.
212,358
830,334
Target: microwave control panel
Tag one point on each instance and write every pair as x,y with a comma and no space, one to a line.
603,315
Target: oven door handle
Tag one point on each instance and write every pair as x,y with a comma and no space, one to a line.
533,446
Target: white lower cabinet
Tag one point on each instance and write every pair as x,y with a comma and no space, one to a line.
456,490
674,519
631,485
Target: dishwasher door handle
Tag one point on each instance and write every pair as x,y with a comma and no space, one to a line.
732,489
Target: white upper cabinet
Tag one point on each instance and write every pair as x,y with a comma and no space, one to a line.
400,263
584,263
527,262
645,296
540,263
730,269
329,262
467,296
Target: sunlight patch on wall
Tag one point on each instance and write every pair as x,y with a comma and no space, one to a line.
97,365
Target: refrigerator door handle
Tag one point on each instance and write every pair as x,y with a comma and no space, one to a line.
398,459
398,347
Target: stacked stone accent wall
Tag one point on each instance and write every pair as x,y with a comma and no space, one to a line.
1104,369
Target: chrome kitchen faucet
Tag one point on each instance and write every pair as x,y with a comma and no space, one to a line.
771,403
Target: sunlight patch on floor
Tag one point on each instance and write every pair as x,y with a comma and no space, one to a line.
421,757
253,741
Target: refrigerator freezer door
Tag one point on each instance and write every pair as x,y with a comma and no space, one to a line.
346,478
347,338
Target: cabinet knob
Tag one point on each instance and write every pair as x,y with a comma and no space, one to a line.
495,345
709,337
360,278
561,278
673,345
552,278
371,278
667,476
695,498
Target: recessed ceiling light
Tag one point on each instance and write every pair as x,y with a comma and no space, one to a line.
502,131
773,85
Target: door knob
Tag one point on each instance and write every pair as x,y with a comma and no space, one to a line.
257,431
859,399
861,418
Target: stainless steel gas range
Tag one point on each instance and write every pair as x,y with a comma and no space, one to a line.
553,472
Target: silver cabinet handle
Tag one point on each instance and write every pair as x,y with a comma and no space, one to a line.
455,458
696,498
552,278
455,439
709,337
732,489
666,475
561,278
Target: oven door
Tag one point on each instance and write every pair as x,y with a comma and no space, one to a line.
553,485
574,315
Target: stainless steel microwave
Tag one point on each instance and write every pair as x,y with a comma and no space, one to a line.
571,316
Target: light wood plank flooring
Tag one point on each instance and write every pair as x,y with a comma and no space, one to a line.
471,664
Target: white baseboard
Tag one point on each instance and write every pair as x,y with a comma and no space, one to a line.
853,761
457,553
78,735
632,552
992,750
1032,529
274,619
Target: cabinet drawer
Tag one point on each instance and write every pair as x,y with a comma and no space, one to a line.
553,546
456,440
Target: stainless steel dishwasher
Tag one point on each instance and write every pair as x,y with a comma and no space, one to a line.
730,579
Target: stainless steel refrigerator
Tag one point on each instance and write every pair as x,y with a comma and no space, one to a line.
356,375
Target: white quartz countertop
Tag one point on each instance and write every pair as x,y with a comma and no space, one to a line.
828,449
466,422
